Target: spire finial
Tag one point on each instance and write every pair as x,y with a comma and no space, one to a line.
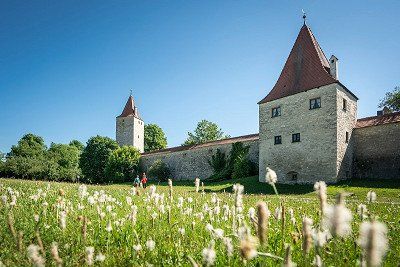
304,16
131,93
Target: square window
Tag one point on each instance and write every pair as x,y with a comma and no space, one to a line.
276,112
344,104
315,103
278,140
295,137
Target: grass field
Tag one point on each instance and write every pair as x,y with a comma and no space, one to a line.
165,232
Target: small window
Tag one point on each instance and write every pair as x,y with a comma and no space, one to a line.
347,137
276,112
278,140
295,137
315,103
292,175
344,104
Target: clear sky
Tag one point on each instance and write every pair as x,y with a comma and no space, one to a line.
66,67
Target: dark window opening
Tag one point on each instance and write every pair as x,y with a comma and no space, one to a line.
293,176
344,104
315,103
278,140
295,137
276,112
347,137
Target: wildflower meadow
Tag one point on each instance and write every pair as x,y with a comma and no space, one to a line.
197,224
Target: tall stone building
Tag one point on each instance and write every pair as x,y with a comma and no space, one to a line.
130,127
306,120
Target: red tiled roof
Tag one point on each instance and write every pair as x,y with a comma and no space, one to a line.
130,109
378,120
306,68
243,138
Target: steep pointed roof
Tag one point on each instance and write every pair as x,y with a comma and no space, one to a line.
306,68
130,109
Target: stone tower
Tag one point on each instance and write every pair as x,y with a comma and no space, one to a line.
130,127
307,119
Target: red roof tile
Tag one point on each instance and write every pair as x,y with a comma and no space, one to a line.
244,138
306,68
130,109
378,120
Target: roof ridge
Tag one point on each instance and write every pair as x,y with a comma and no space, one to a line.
383,115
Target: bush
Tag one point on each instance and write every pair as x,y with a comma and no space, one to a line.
236,166
218,161
243,167
63,162
159,170
95,157
122,164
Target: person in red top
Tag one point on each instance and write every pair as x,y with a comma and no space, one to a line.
144,180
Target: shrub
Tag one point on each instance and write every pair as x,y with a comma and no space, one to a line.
123,164
218,161
94,158
243,167
159,170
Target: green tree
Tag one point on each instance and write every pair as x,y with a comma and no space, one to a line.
205,131
391,100
123,164
77,144
29,145
27,158
154,138
94,158
63,162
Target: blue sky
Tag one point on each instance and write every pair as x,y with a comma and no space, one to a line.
66,67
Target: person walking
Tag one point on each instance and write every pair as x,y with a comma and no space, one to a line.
136,182
144,180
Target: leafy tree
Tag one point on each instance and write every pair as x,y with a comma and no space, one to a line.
154,138
243,167
94,158
159,170
123,164
29,145
391,100
77,144
205,131
63,162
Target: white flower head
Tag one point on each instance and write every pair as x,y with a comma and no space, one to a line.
209,256
150,244
89,255
100,257
371,196
373,242
270,176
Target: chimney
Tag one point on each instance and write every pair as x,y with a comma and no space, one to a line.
333,64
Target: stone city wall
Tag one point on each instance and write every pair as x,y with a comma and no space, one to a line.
190,163
377,152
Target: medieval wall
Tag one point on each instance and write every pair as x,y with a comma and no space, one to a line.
377,152
191,163
130,131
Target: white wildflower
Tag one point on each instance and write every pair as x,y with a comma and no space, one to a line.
373,241
34,256
362,211
89,255
270,176
320,188
63,219
100,257
338,219
371,196
109,226
197,184
209,256
181,231
137,247
150,244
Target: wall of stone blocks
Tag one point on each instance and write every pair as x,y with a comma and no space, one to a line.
377,152
130,132
192,163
